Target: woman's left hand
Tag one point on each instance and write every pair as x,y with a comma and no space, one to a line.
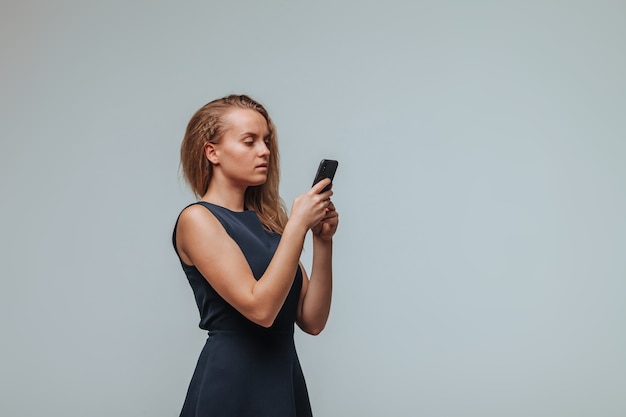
326,228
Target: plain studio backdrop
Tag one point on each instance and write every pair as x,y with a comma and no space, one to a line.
480,261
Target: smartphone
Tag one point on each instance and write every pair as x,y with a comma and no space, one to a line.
327,169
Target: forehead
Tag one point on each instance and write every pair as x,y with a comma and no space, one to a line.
246,121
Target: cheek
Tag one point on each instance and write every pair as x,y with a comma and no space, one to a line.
235,151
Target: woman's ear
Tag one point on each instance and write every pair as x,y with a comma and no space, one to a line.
211,153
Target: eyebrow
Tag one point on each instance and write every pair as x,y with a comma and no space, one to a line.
248,133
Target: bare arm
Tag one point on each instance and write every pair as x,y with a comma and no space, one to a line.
316,294
203,242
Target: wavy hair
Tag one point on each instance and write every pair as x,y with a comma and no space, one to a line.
207,126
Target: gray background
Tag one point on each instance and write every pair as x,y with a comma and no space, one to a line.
480,260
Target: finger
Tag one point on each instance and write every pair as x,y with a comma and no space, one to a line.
323,198
331,214
317,188
322,203
326,194
330,208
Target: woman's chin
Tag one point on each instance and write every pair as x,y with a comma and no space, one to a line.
258,182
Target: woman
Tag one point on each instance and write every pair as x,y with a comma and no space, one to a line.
240,253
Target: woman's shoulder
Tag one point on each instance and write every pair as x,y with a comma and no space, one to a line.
197,217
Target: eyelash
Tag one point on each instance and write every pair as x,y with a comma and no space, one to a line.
251,143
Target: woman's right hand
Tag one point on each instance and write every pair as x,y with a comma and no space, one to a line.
311,207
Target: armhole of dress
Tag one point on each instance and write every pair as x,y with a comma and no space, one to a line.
225,225
174,234
219,218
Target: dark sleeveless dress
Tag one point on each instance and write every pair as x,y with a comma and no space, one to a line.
244,369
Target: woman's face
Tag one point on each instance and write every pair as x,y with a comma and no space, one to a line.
242,155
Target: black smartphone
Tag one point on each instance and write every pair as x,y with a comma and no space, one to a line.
327,169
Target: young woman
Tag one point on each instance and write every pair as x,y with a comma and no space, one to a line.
241,253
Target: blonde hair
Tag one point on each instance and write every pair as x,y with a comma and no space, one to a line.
207,126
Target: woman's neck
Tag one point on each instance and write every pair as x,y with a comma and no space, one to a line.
229,197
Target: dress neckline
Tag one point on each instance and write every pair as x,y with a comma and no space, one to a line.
245,210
